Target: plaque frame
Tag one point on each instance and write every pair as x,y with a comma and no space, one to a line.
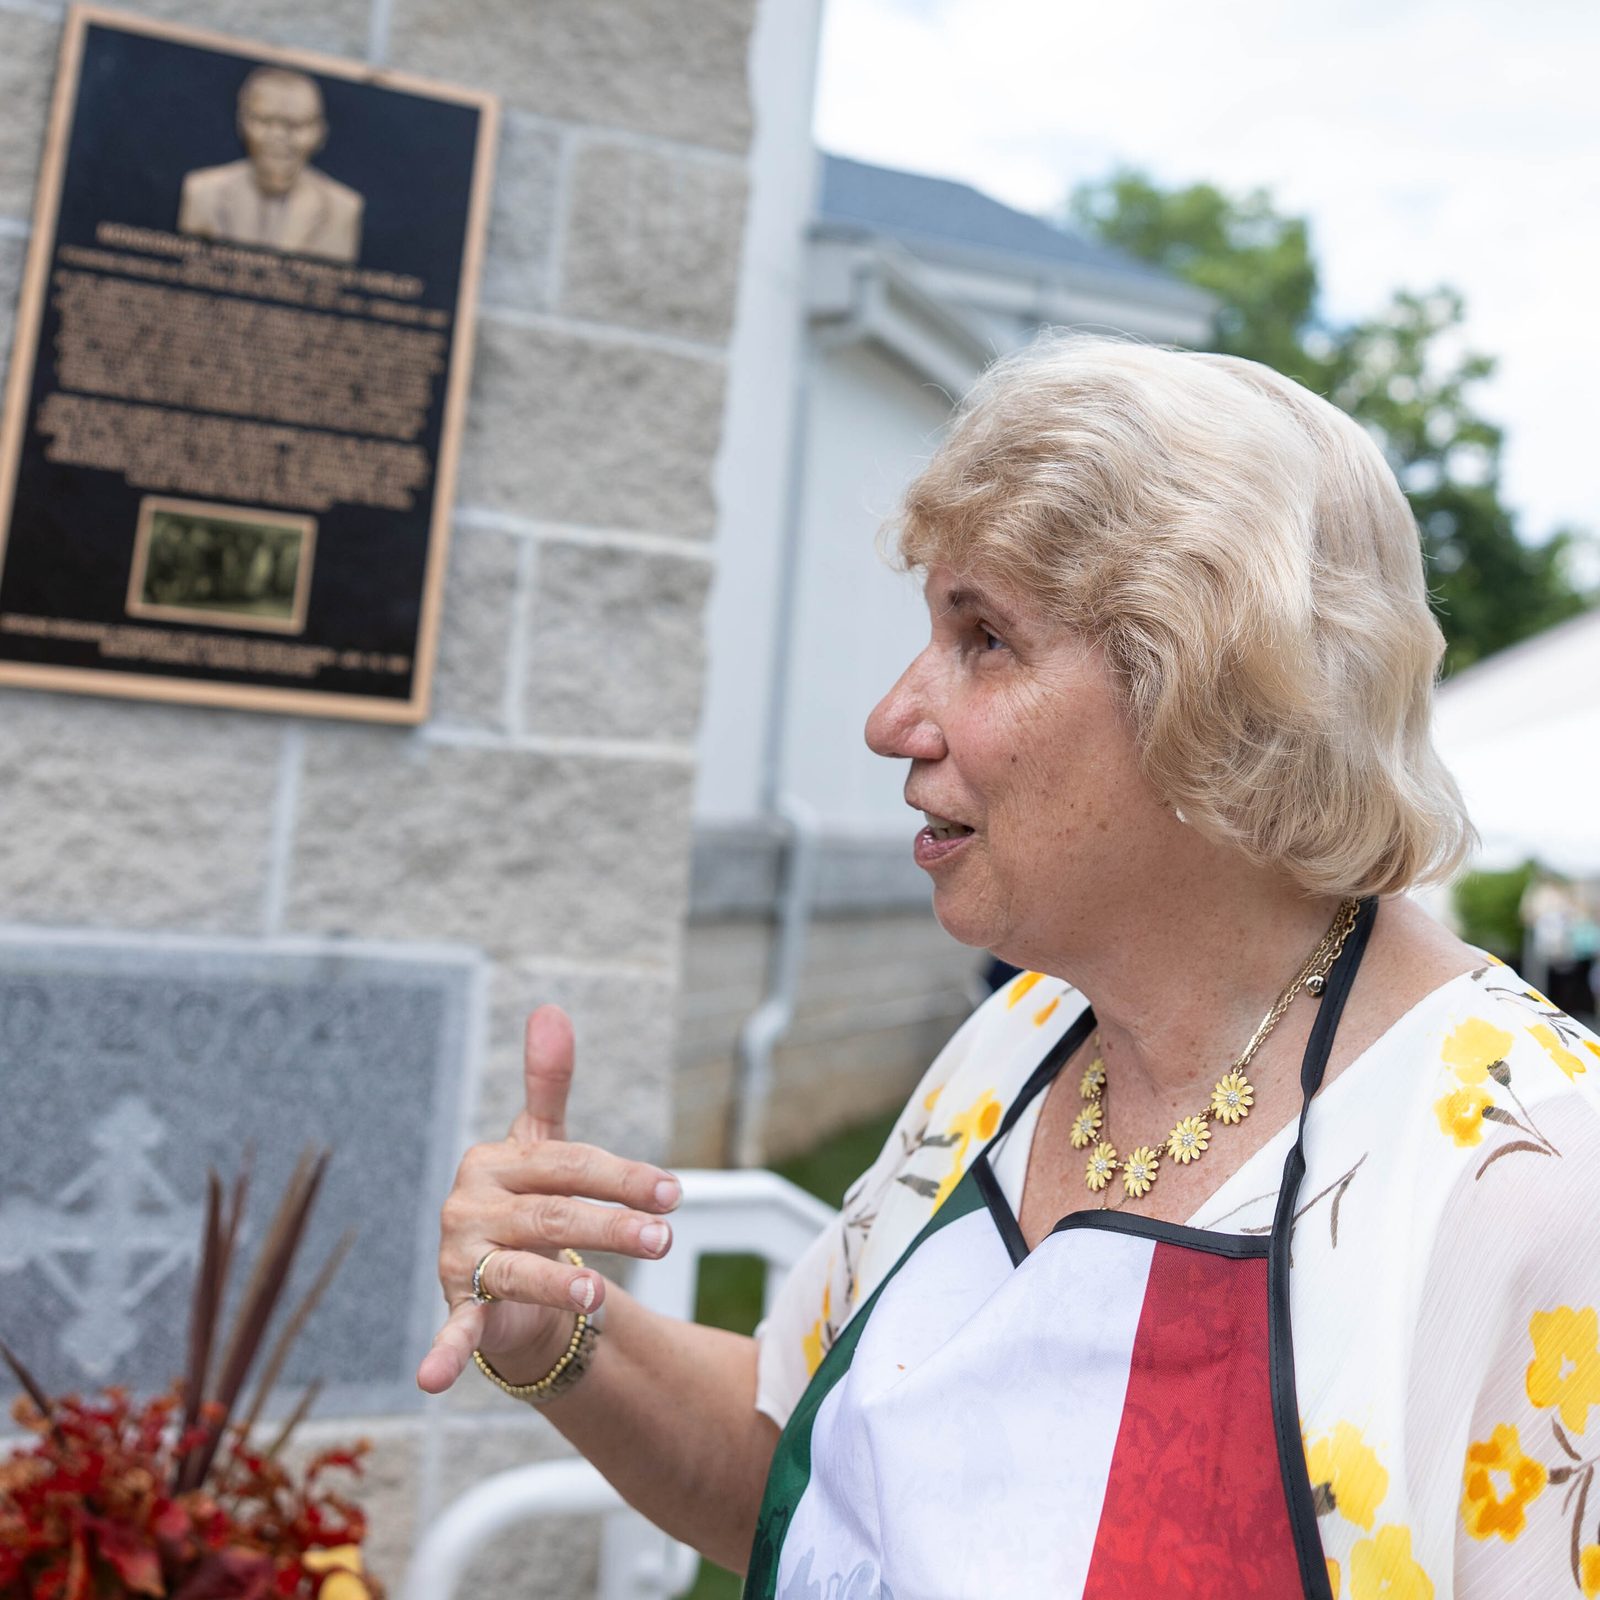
31,307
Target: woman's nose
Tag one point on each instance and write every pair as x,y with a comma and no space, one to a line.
902,725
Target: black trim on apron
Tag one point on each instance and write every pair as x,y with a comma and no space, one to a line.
1285,1404
1236,1246
1005,1219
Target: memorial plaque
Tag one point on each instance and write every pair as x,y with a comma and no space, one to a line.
234,403
127,1072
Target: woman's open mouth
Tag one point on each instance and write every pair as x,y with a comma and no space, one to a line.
940,839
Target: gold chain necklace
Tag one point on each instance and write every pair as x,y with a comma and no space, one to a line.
1231,1099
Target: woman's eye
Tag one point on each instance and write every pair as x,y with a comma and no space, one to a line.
990,641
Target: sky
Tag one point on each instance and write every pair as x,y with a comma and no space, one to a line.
1426,142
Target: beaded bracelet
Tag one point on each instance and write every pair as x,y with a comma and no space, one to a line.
573,1364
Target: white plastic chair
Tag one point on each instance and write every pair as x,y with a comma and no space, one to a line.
721,1213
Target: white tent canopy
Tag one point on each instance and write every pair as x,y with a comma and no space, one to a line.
1521,733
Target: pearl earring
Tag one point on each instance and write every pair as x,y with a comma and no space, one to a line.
1177,811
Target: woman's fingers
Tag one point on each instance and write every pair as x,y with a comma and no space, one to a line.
559,1167
452,1348
539,1281
534,1194
559,1222
547,1058
514,1278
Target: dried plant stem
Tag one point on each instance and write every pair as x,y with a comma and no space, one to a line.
292,1329
302,1406
34,1392
256,1305
261,1295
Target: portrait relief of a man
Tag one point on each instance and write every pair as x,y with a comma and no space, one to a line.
275,197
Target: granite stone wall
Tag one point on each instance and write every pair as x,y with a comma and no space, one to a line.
538,823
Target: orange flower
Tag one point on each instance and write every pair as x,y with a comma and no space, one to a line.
1565,1370
1484,1510
1473,1048
1350,1468
1558,1052
1460,1114
978,1121
814,1344
1589,1571
1383,1568
1020,985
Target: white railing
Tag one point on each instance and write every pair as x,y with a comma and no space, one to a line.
722,1213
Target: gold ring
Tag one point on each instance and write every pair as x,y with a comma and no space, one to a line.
479,1293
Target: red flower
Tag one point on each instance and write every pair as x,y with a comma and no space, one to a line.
85,1510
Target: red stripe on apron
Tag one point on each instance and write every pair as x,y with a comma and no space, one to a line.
1195,1503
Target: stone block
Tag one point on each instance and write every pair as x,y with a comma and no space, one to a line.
27,75
469,681
678,70
615,645
653,241
143,1065
511,851
516,266
116,812
622,1080
337,27
13,252
562,428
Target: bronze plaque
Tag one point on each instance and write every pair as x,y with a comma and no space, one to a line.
234,404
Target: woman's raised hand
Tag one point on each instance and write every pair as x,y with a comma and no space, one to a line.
528,1197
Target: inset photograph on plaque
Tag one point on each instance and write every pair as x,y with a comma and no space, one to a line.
222,565
235,398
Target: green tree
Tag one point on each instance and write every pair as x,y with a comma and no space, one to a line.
1399,372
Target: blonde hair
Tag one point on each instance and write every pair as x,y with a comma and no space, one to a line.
1244,556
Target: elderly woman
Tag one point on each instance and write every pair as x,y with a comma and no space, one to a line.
1244,1244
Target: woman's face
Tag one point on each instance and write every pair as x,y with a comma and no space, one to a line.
1040,820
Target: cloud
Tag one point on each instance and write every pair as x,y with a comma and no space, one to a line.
1427,144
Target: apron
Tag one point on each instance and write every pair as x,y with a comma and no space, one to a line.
1110,1416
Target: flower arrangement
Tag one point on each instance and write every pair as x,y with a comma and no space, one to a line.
173,1497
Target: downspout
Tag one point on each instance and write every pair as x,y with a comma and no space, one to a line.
795,824
766,1025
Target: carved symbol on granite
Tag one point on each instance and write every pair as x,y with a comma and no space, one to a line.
111,1236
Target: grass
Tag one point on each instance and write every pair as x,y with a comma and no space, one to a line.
729,1291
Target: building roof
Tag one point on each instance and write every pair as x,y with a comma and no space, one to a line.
926,213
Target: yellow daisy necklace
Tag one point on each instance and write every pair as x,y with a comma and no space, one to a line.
1231,1099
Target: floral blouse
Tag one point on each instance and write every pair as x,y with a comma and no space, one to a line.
1445,1287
